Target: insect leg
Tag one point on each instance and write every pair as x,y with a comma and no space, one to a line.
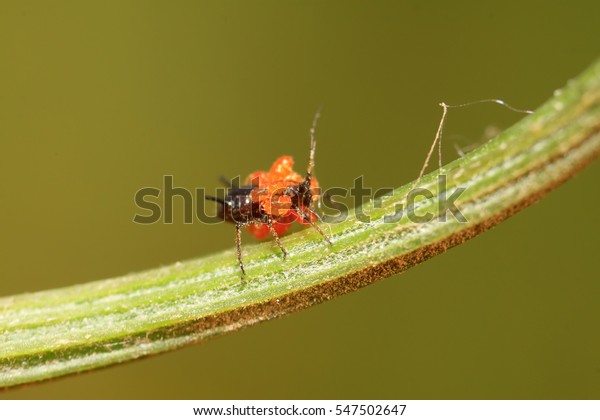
276,236
315,226
238,245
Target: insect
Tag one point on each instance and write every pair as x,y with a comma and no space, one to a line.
269,202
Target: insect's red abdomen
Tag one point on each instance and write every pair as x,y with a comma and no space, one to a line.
270,191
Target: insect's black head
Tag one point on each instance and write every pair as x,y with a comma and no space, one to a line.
237,205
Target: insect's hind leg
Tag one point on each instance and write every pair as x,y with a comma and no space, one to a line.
276,236
238,245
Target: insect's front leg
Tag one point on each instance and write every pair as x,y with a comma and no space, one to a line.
238,245
306,217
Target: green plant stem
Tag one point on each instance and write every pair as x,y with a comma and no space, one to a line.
57,332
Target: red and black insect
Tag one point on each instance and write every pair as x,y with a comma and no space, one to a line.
269,202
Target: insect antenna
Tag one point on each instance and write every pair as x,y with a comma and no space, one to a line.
313,146
217,199
305,186
225,181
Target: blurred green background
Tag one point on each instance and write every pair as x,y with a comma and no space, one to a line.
99,99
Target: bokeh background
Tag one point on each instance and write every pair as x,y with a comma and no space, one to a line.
99,99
